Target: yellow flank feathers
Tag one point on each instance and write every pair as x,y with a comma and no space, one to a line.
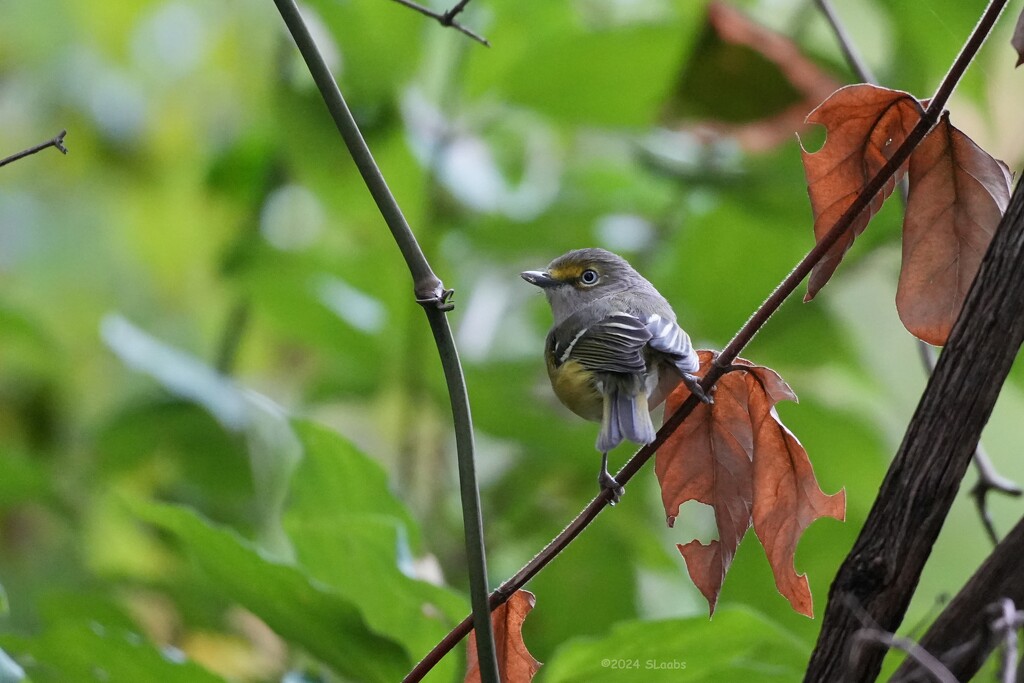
575,387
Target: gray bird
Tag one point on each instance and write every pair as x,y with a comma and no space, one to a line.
615,350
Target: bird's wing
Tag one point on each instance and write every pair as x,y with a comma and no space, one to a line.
670,339
615,344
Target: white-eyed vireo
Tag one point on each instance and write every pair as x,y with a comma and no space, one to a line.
615,350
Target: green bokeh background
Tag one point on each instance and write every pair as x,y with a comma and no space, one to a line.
225,444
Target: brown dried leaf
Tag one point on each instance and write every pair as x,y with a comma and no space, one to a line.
515,663
708,459
786,493
736,456
958,194
1018,39
865,124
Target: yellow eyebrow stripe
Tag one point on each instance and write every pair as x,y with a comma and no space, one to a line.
565,273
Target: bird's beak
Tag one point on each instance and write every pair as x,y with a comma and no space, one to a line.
539,278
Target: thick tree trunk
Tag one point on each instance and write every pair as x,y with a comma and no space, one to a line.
881,572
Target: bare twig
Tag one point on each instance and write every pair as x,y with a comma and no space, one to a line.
1009,625
913,650
990,480
738,342
450,15
1006,626
853,57
431,293
870,631
56,141
446,18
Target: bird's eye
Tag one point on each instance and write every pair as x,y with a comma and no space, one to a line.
589,276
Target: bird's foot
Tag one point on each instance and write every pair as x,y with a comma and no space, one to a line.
693,384
608,483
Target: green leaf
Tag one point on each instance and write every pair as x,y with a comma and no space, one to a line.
295,606
293,293
73,650
205,465
273,449
600,66
736,645
349,531
245,170
630,91
938,31
181,373
87,636
336,479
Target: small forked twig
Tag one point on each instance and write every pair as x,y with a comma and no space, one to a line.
1005,627
926,659
56,141
447,18
872,632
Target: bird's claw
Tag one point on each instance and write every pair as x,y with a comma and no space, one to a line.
693,384
608,483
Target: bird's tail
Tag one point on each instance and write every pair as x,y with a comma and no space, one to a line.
626,416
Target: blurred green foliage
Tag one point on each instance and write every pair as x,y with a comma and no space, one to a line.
225,443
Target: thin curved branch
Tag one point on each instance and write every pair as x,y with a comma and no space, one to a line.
57,142
738,342
853,57
432,295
